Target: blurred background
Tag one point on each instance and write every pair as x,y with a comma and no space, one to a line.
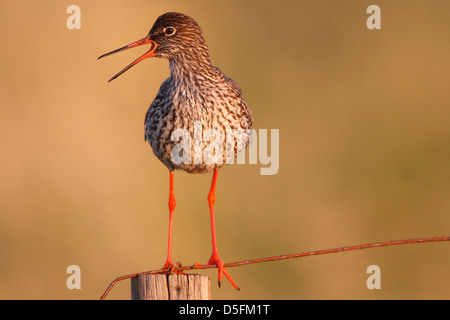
364,149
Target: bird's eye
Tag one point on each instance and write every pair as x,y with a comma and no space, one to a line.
169,31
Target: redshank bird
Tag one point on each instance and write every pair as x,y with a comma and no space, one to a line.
196,96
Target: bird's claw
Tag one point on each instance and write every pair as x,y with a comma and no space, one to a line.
222,271
170,267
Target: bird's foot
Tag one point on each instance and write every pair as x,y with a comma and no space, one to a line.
222,271
170,267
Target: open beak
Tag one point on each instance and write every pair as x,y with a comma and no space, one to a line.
138,43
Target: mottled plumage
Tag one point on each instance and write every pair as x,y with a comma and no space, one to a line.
196,91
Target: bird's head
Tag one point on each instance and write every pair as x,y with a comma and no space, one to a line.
174,36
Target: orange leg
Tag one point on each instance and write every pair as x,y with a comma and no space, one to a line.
215,260
172,204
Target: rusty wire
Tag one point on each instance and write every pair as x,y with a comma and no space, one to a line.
177,268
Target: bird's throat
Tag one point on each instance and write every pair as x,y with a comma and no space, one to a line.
190,67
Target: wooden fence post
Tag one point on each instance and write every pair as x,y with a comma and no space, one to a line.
170,287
